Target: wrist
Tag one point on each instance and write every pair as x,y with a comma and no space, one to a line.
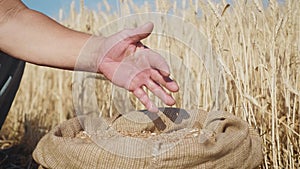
91,54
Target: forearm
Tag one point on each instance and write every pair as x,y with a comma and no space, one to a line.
35,38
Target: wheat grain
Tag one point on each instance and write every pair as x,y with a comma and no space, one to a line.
258,6
214,10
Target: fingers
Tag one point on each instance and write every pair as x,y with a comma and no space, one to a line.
154,75
141,32
165,81
159,68
157,90
143,97
153,81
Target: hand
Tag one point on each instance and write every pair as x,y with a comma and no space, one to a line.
126,62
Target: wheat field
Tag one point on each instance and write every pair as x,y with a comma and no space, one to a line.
258,49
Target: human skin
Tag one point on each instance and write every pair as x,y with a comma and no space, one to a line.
33,37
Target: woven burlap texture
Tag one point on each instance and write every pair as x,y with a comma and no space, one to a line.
210,140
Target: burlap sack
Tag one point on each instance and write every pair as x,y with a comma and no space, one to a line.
174,139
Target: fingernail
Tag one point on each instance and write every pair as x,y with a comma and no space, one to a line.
172,86
171,101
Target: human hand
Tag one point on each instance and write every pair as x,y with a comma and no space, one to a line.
127,63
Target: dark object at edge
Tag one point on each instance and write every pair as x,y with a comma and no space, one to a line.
11,71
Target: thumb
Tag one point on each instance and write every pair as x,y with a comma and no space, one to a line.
141,32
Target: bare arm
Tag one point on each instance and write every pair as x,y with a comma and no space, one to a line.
122,58
36,38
